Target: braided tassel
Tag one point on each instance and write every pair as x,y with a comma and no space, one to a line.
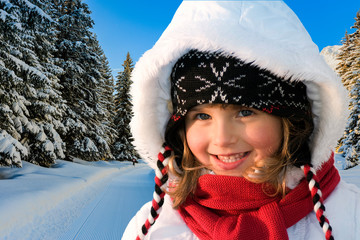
316,195
161,178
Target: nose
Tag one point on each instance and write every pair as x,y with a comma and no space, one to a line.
224,134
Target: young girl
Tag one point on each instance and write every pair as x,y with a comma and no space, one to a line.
245,114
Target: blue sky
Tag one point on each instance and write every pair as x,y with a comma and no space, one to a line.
134,26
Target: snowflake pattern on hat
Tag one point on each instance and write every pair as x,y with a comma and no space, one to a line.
205,77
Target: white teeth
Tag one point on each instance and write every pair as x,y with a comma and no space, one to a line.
232,158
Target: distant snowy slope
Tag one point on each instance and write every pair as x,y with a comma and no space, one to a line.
330,54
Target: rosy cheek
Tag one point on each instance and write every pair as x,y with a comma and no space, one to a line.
193,139
264,136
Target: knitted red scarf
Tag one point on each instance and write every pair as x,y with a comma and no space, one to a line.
233,208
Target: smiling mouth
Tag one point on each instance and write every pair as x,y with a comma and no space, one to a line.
231,158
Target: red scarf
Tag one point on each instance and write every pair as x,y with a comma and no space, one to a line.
227,207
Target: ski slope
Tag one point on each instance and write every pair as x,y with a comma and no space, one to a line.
107,216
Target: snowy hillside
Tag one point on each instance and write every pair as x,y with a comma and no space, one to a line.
330,54
81,200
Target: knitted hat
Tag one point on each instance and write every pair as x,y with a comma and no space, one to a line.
210,77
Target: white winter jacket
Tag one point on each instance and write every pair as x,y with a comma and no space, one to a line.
268,34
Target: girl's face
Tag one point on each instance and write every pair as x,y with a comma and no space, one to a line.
231,139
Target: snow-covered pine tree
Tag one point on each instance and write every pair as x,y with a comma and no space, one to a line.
76,54
123,150
349,70
106,100
351,141
29,88
344,63
47,105
10,83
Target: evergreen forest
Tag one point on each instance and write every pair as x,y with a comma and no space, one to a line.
57,92
349,71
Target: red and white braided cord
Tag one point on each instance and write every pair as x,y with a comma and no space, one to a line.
161,178
316,195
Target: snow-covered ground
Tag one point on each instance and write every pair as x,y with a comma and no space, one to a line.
80,200
71,200
351,175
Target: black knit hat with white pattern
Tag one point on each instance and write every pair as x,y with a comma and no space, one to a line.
210,77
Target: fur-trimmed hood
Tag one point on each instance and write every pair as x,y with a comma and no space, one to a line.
266,33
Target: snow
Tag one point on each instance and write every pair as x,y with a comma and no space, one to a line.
330,54
11,149
26,67
3,15
41,203
4,108
41,136
81,200
39,10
